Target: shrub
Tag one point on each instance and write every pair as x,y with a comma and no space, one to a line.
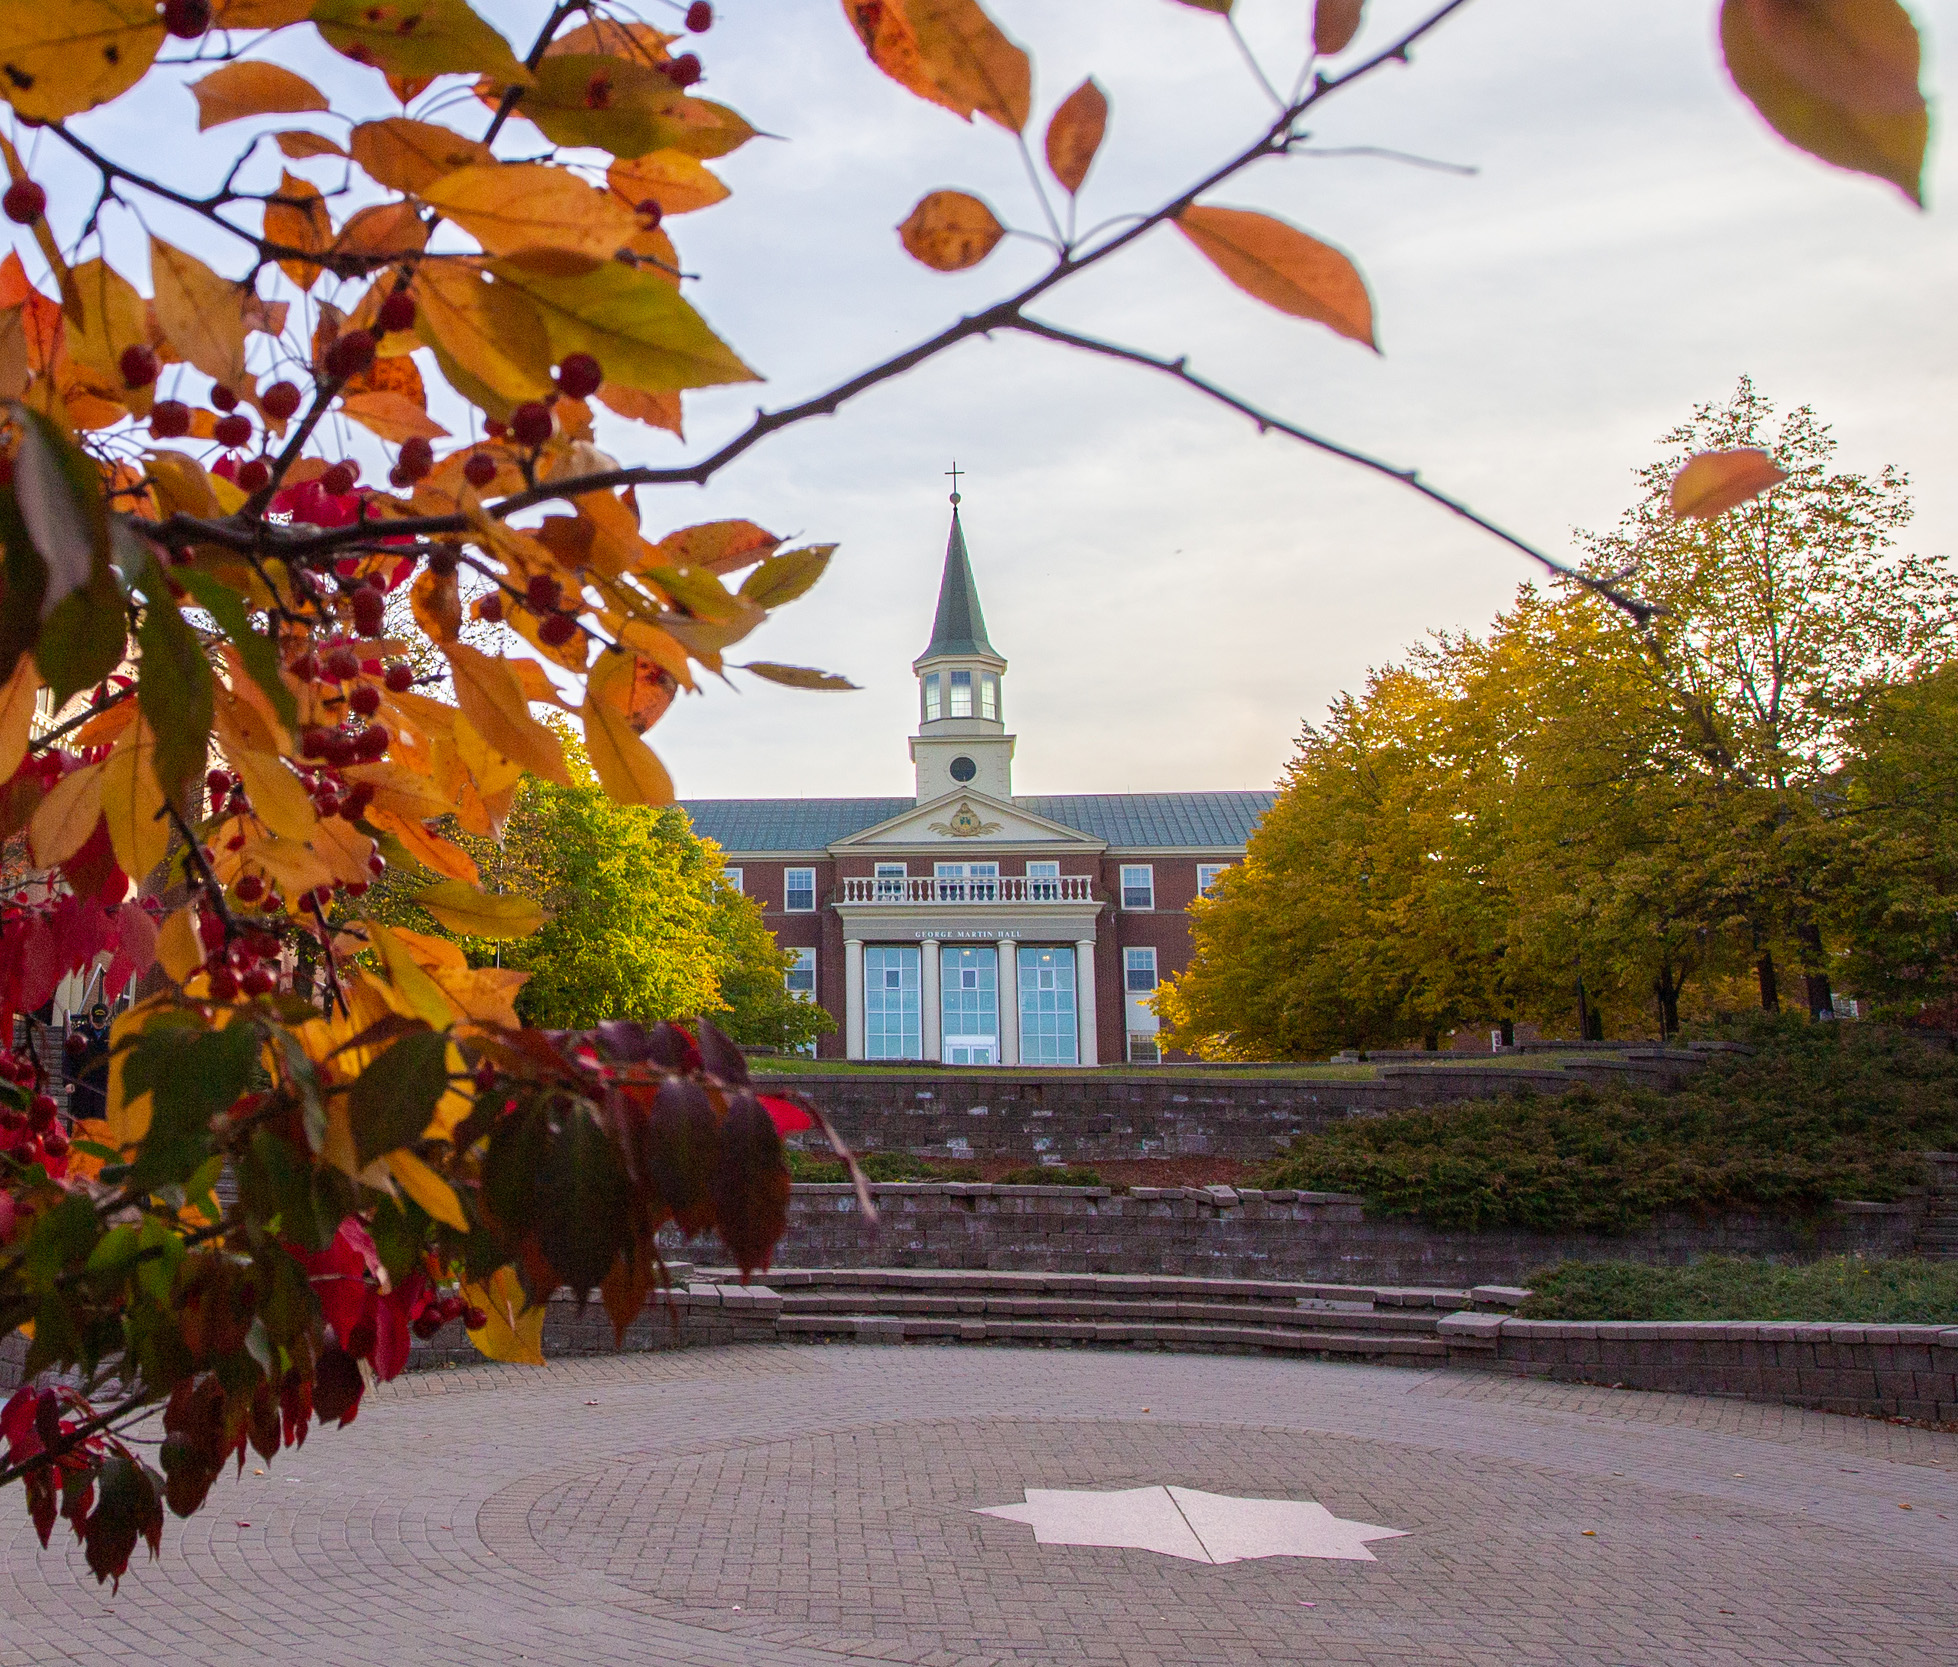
1049,1175
1847,1289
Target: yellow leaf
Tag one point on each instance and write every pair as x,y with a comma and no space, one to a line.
297,219
950,230
179,952
431,954
431,850
399,790
636,326
202,314
1836,78
296,866
679,183
512,206
428,1189
704,129
480,914
17,713
798,677
1715,481
627,768
278,798
410,38
182,484
488,338
392,416
58,60
1283,267
252,88
492,698
114,317
129,1120
1075,134
511,1332
344,849
486,994
489,769
64,819
384,229
16,369
423,996
259,14
612,104
1334,24
298,145
133,803
406,155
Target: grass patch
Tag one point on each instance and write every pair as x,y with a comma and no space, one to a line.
1845,1289
878,1166
1821,1112
1050,1175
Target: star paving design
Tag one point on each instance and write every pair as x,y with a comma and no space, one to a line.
1188,1523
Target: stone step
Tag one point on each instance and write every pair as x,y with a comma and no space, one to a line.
901,1329
978,1304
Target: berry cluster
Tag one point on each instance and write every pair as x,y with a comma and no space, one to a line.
30,1125
441,1311
542,596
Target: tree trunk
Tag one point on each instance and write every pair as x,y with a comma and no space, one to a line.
1666,988
1583,1014
1432,1041
1770,992
1509,1033
1815,973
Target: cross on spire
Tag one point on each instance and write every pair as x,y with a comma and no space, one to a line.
955,471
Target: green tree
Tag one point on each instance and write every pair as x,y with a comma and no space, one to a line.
757,1007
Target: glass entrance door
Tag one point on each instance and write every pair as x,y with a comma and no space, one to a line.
969,991
892,1011
1048,1032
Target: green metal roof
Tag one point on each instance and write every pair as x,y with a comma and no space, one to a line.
959,627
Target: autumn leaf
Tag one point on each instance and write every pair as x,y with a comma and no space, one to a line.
252,88
512,1329
278,799
474,913
383,229
428,1189
114,318
699,127
512,206
200,312
492,698
1716,481
1836,78
406,155
297,145
627,768
17,713
392,416
66,816
798,677
661,410
417,38
1283,267
641,330
1334,24
1219,6
679,183
949,52
487,336
613,104
297,219
783,578
259,14
718,546
1075,134
133,803
950,230
59,60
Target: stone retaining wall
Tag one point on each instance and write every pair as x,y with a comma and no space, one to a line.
1895,1371
1226,1233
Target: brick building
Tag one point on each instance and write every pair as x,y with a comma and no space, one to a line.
968,923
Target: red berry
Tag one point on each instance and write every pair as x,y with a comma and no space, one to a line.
369,613
41,1112
169,419
377,865
579,376
495,427
474,1318
542,592
684,70
400,678
339,480
397,312
225,399
349,355
700,17
479,471
54,1144
306,668
355,804
313,741
490,608
485,1077
25,202
558,630
250,888
417,458
138,366
259,981
650,213
219,783
234,431
342,665
373,742
339,749
531,423
399,477
365,699
280,400
273,904
254,473
224,984
187,19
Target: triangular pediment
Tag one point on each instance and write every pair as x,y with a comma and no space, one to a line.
967,821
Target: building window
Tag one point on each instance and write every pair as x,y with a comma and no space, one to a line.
801,976
890,882
989,695
892,1027
1138,886
1207,873
731,877
967,882
1139,970
969,1000
961,694
1043,882
799,890
1144,1048
934,707
1047,1015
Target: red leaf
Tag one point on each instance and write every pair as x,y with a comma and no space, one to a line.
751,1185
337,1387
789,1118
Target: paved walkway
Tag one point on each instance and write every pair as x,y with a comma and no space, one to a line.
788,1506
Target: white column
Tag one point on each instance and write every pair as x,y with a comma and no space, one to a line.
853,998
1009,1002
1084,999
932,1011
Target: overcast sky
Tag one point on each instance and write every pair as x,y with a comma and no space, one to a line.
1176,594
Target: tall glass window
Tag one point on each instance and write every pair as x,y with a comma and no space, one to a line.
961,694
969,993
892,1017
934,706
1047,1025
989,695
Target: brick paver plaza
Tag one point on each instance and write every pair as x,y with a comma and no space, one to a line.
799,1506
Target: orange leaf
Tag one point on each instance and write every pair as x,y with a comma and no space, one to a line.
677,182
492,698
392,416
1836,78
298,145
511,206
1283,267
1075,133
201,313
252,88
298,219
429,849
949,231
406,155
627,768
660,410
718,546
383,229
949,52
1715,481
1334,24
488,339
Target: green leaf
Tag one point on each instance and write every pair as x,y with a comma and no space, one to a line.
22,581
59,495
612,103
785,577
414,38
394,1099
584,1201
798,677
83,639
257,650
633,323
173,687
191,1076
